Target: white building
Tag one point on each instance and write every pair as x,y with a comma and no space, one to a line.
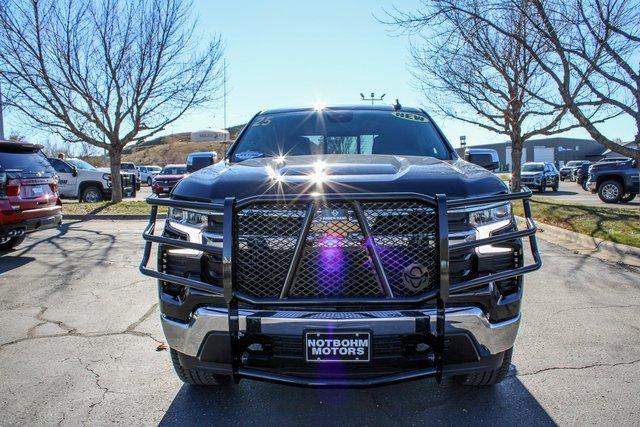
210,135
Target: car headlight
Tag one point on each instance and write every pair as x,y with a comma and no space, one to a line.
490,215
488,220
188,218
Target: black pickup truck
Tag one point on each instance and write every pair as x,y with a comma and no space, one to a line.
615,180
341,247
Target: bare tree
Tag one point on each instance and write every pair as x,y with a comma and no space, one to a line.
472,73
592,61
105,72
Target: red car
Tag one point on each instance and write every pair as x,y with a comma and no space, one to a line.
168,177
28,193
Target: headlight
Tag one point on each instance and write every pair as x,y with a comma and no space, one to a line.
488,220
491,215
188,218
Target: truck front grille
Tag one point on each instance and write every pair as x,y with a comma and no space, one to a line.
336,259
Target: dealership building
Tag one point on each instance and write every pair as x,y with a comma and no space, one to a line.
557,150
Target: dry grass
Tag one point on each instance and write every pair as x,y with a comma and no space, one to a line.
131,207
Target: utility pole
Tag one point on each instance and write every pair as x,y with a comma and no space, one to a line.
224,89
372,98
1,116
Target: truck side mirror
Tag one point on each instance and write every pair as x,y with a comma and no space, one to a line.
74,171
485,158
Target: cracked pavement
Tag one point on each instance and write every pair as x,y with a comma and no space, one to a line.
80,331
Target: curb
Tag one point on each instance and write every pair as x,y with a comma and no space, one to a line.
578,242
109,217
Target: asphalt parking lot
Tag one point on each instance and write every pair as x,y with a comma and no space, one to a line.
570,192
80,331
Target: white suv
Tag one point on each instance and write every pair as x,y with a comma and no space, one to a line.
147,173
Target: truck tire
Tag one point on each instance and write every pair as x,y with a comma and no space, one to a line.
556,187
628,197
11,242
196,376
584,185
610,191
488,378
91,194
543,186
149,181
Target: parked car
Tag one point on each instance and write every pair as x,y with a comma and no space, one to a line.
540,175
615,180
79,179
568,170
323,250
582,174
148,172
200,159
168,177
29,199
131,167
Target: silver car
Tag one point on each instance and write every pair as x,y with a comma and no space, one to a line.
148,172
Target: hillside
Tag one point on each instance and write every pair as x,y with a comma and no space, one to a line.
172,152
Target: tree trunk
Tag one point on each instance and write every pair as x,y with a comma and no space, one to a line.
115,157
516,162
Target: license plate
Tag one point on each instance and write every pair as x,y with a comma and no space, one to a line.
165,188
31,191
337,346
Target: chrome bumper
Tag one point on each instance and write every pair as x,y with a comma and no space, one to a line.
489,338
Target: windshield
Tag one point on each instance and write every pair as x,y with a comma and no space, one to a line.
128,166
174,170
25,161
80,164
533,167
340,132
574,163
154,168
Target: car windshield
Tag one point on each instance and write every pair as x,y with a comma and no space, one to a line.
80,164
128,166
340,132
154,168
574,163
25,161
533,167
174,170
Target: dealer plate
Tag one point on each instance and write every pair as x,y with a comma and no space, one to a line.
337,346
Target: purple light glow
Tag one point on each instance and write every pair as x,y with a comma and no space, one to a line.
332,260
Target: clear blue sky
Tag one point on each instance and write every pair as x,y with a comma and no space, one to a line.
293,53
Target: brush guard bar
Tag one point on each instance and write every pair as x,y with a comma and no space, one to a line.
230,207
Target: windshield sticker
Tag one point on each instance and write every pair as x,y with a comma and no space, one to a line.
410,116
262,121
245,155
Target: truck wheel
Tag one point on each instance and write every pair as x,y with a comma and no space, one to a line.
543,186
149,181
7,243
91,194
610,191
196,376
628,197
584,185
556,187
491,377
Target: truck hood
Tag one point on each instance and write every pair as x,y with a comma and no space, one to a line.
530,174
343,174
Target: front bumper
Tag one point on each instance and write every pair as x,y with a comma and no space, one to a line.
488,338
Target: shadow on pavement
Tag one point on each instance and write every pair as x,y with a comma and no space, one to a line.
420,402
11,263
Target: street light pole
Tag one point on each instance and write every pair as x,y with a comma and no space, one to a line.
372,98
